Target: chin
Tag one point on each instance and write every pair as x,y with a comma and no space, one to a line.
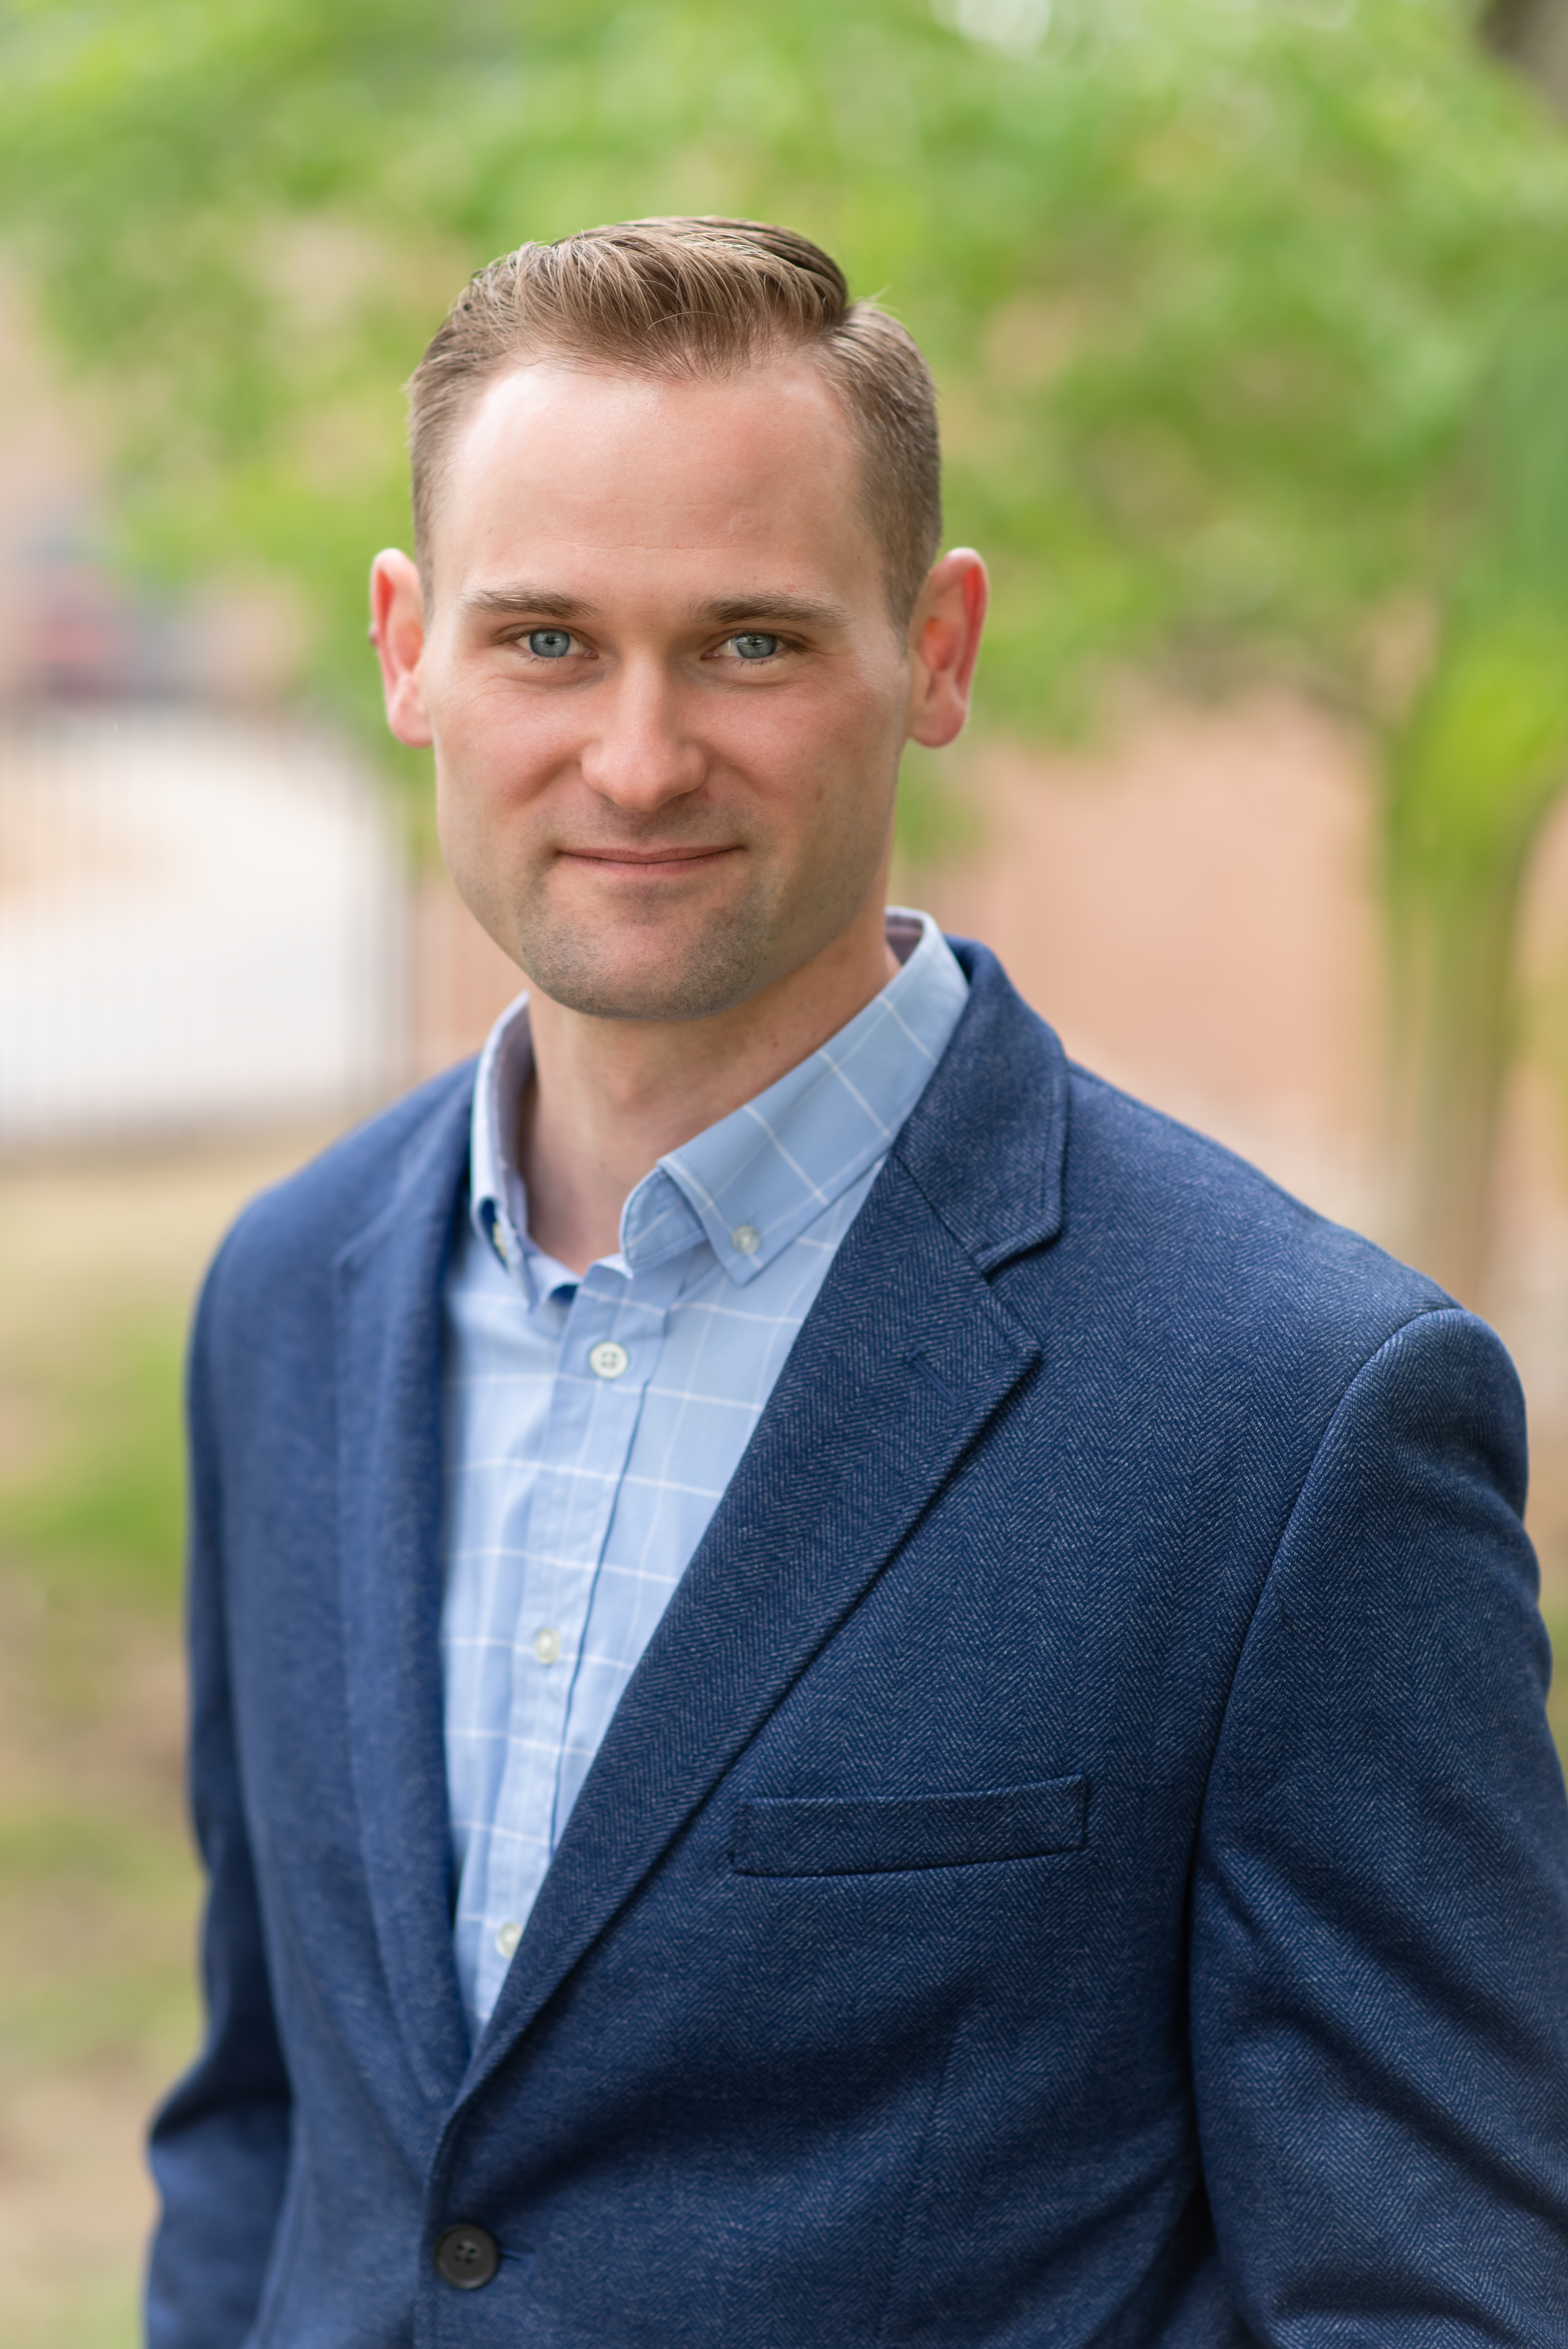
689,982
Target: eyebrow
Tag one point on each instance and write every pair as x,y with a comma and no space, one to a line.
517,603
805,610
729,611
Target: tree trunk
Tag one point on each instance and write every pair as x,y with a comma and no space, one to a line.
1456,1037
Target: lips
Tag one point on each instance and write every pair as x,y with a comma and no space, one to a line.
646,860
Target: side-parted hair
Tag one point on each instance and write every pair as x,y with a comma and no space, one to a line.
696,297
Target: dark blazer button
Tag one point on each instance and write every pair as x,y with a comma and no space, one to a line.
466,2256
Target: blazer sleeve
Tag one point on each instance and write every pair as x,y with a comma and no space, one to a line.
1379,1924
220,2146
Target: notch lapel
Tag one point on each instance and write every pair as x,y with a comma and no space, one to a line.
904,1357
388,1331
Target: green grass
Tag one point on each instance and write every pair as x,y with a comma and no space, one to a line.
101,1508
99,1885
80,2313
94,1908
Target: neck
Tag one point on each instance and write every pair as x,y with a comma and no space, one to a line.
610,1097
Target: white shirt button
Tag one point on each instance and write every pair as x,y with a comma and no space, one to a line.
607,1360
507,1938
746,1239
498,1240
547,1643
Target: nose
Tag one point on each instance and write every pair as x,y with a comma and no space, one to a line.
641,757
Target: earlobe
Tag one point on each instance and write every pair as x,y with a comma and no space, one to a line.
398,633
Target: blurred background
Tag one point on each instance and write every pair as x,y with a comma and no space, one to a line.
1251,324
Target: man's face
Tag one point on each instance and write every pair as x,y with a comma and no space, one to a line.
666,698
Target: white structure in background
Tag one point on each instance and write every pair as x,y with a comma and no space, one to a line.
200,923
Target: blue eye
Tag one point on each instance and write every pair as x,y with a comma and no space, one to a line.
756,648
549,644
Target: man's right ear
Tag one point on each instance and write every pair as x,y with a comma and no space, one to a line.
398,633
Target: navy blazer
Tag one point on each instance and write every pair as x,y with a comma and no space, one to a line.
1080,1860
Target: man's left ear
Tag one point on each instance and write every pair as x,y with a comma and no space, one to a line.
943,642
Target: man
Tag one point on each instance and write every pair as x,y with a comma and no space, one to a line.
846,1689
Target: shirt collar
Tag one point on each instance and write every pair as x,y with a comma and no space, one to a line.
753,1182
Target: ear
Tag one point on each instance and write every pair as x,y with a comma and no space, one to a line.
398,633
943,642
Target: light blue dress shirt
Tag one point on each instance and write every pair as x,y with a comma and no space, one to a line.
591,1425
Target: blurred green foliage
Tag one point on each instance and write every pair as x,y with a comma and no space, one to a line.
1209,284
1215,292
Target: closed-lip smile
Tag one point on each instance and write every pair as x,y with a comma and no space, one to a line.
648,859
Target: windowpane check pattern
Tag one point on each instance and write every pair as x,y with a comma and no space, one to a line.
591,1424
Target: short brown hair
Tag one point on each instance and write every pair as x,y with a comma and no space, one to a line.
697,297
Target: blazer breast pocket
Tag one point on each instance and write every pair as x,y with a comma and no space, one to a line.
878,1834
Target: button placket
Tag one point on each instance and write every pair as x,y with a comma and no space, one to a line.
627,1339
591,1425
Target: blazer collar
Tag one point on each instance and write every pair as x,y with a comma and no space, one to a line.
901,1361
987,1141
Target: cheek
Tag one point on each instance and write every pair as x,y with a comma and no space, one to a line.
802,752
489,749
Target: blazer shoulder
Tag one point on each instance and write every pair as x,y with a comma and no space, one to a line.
1057,1181
1213,1236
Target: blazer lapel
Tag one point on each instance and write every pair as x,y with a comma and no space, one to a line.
904,1357
388,1310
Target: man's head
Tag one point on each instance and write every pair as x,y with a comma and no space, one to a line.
673,617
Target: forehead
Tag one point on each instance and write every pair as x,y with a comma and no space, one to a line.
701,474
